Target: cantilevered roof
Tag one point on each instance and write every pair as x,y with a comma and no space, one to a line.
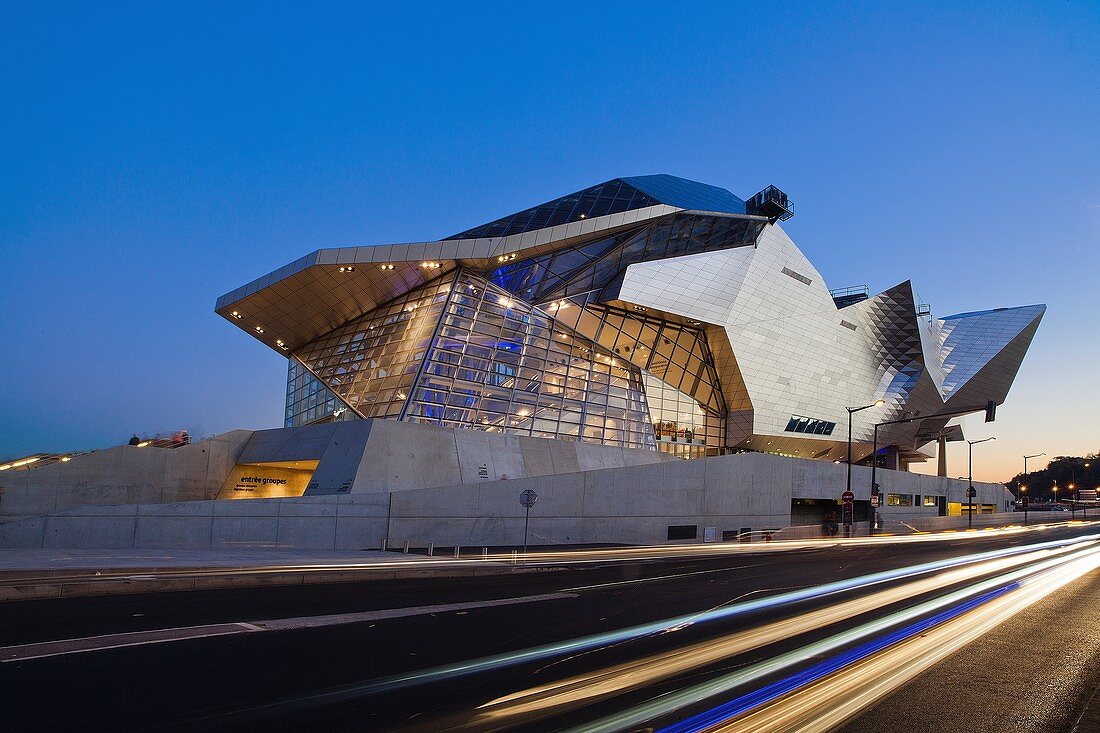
295,304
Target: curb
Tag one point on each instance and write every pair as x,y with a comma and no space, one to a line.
132,582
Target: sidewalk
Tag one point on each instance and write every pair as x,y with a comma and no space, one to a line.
21,560
28,574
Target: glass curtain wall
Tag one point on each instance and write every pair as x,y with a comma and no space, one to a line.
678,369
372,362
502,365
308,400
593,265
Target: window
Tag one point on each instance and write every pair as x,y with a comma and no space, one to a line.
683,531
931,501
800,424
899,499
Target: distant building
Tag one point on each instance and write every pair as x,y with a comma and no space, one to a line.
645,312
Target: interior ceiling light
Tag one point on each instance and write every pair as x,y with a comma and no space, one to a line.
430,265
387,267
347,268
259,329
237,315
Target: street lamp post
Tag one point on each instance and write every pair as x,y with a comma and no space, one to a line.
852,411
1023,487
1084,508
970,482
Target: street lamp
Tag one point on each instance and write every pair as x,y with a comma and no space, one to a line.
1084,508
1025,462
852,411
970,480
1023,487
1023,500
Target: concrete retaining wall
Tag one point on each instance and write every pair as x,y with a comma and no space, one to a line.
342,523
636,504
356,457
123,475
624,503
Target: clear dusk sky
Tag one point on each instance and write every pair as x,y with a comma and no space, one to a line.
156,155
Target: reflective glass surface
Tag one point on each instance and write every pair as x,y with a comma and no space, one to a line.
674,353
799,424
501,365
372,362
307,400
681,425
593,265
611,197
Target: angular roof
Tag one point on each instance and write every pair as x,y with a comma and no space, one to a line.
612,197
685,194
327,288
970,341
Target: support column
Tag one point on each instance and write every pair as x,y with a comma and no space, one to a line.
941,456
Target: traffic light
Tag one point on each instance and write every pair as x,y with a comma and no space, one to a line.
990,411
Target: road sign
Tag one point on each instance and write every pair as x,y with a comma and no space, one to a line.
528,498
847,497
1025,500
971,492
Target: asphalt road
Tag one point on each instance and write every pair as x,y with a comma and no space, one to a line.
354,656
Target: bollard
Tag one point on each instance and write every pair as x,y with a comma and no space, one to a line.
406,547
515,557
431,549
385,543
484,553
457,550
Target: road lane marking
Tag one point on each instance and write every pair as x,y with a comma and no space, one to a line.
39,650
658,577
310,622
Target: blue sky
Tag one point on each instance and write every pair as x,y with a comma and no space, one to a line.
154,156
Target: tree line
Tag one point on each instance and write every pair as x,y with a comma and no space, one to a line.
1082,472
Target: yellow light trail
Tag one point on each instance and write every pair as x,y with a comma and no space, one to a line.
545,700
671,702
822,706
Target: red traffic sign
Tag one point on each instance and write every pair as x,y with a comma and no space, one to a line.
1025,500
847,497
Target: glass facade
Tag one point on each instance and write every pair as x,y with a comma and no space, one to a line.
675,356
307,399
372,362
502,365
682,427
612,197
593,265
528,349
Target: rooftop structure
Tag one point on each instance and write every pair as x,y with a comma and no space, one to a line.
646,312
